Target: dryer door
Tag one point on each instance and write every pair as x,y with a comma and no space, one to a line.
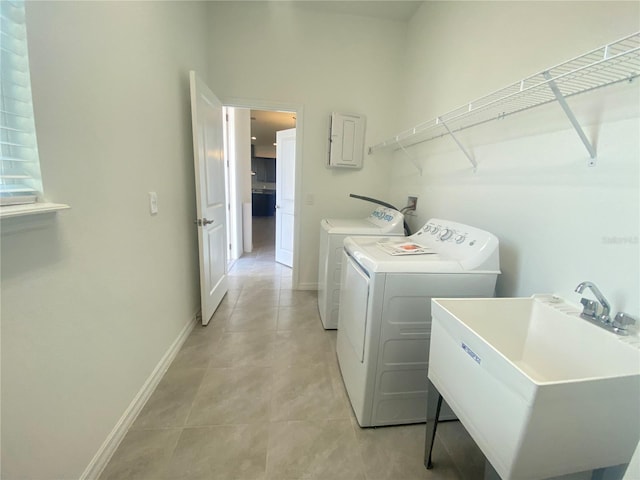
354,299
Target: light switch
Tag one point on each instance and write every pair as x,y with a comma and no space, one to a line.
153,203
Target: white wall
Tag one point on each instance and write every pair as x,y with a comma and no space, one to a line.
555,217
276,52
92,300
240,173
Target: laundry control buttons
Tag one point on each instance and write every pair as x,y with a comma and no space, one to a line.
460,239
446,234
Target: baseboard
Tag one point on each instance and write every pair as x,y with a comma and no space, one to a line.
307,286
109,446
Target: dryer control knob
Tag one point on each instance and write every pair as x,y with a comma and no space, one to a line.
434,229
446,234
460,238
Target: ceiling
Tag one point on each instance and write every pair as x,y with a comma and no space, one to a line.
265,124
399,10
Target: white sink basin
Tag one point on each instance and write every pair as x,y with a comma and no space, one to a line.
542,391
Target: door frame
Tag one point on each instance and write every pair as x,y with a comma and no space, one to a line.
254,104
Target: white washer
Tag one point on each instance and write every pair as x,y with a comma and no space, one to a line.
385,313
381,221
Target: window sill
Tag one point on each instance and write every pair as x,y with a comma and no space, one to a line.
11,211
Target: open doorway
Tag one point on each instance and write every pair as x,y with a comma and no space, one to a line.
272,181
262,184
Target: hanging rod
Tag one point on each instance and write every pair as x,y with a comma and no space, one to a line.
612,63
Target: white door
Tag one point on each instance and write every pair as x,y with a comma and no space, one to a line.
285,194
208,149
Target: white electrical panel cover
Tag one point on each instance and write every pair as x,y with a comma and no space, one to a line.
346,140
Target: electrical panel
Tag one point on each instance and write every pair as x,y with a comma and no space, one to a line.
346,140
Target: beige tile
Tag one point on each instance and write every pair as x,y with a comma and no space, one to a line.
231,297
195,354
286,282
296,347
285,273
297,317
313,450
398,452
258,297
465,454
261,265
267,253
232,396
306,392
229,452
142,455
260,282
236,349
235,281
204,335
241,270
268,360
221,314
333,338
336,377
170,403
255,317
299,298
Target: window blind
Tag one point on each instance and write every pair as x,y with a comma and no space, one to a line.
20,180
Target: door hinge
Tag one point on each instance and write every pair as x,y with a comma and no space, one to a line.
226,117
229,246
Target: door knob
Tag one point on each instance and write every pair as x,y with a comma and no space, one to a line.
202,222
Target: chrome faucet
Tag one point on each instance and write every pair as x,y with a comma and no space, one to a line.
590,309
602,319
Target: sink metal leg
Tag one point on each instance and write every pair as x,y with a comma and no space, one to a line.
434,404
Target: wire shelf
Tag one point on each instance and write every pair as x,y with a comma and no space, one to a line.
607,65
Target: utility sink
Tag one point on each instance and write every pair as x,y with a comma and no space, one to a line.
542,391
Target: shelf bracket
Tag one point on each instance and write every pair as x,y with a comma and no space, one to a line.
460,146
572,118
413,160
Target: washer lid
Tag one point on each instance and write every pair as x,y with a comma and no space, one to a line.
382,220
367,252
373,258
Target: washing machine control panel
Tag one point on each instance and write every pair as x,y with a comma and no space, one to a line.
454,239
444,233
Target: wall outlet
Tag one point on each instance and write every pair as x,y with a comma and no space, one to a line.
412,203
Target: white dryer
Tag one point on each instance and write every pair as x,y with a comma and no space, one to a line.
385,312
381,221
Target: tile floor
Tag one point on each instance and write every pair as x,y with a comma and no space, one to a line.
257,394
